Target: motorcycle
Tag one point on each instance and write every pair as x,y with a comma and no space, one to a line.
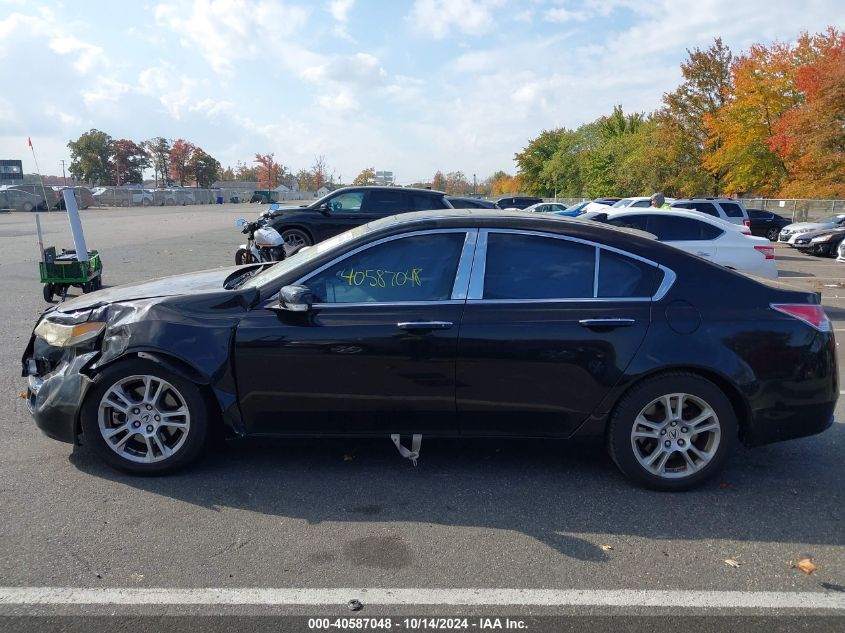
263,244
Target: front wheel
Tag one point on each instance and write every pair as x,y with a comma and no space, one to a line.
773,233
27,206
294,238
672,432
242,256
143,419
47,291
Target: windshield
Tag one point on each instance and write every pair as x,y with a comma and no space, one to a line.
624,202
301,258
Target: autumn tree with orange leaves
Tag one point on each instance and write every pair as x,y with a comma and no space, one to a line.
810,138
765,89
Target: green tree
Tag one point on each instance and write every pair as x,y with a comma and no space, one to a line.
204,168
533,159
158,151
90,157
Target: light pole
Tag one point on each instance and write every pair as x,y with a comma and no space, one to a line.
64,178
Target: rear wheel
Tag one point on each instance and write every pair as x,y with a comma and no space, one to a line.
27,206
296,238
242,256
47,291
145,202
143,419
773,233
672,432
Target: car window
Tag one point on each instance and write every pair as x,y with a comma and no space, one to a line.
422,202
621,276
640,204
682,205
705,207
731,209
416,268
760,215
638,222
386,202
624,202
346,202
668,228
533,267
461,204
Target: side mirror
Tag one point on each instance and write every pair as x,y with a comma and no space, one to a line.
296,298
325,208
274,207
240,222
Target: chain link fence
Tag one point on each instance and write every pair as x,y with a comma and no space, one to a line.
798,210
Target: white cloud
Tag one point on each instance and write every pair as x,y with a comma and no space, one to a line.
224,31
339,102
104,90
362,69
438,17
87,55
560,14
340,12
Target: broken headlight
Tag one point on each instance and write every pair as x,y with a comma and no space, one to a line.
68,335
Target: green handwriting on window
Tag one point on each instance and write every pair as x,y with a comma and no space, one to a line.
382,278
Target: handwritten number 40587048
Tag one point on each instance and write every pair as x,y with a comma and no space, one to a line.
383,278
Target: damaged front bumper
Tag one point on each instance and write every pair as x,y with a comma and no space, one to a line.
54,399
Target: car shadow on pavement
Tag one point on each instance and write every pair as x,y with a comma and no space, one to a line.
567,495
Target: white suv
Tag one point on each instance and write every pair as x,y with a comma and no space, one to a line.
732,211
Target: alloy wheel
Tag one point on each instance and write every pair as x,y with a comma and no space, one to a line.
144,419
675,435
294,238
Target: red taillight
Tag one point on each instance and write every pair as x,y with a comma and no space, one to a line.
747,223
811,314
767,251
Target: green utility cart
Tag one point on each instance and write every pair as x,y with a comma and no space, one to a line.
60,272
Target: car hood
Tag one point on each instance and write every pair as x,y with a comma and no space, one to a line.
807,225
286,211
205,280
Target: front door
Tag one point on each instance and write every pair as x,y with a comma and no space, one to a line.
375,355
549,328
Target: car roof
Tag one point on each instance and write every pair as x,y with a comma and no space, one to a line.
683,213
386,188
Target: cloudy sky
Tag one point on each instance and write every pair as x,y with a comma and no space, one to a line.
410,86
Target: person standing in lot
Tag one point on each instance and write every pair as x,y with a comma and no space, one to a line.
658,201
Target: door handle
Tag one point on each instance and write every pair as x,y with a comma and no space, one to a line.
606,323
424,325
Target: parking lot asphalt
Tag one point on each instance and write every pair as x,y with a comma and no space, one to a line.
328,514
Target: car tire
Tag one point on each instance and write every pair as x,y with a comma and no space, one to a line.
241,257
126,448
27,206
641,425
296,237
145,202
773,233
47,292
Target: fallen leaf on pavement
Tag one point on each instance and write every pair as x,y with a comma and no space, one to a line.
806,565
606,548
730,562
348,458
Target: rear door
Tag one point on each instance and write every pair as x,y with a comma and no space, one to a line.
550,325
687,234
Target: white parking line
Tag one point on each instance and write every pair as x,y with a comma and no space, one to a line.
54,596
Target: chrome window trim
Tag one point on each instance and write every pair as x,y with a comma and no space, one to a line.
364,304
462,276
465,252
476,285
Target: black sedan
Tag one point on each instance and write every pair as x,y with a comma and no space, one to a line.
821,243
766,224
348,207
453,323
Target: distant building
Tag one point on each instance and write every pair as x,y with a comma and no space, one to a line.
326,189
384,178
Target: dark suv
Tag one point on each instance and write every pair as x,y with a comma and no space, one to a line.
520,202
348,207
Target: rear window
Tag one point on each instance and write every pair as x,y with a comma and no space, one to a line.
732,210
621,276
706,207
670,228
